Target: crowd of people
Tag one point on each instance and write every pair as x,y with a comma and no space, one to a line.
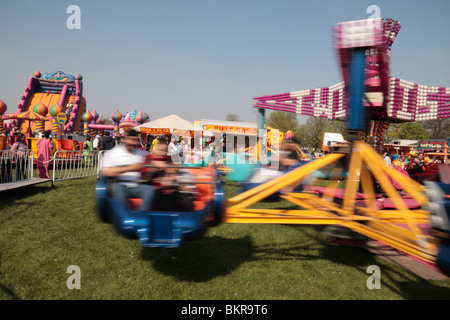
148,175
182,149
413,162
19,150
133,157
147,167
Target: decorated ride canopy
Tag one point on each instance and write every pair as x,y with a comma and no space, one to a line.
57,76
386,98
135,116
132,118
59,82
27,115
94,121
50,94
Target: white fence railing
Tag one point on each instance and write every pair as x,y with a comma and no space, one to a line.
15,165
63,165
74,164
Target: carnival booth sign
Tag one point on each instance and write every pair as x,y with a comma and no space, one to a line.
433,145
230,129
61,118
171,124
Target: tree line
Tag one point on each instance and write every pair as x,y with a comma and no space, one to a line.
310,133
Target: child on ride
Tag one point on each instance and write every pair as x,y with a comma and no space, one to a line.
158,171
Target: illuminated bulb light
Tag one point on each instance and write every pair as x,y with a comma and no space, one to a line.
358,34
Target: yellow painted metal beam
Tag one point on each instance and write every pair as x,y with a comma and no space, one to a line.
396,237
381,225
352,182
318,203
373,159
368,188
394,241
377,167
266,189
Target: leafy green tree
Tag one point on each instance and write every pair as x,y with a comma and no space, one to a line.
313,132
438,129
232,117
412,131
392,131
309,134
283,121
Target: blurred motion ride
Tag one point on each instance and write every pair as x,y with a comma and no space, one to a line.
351,188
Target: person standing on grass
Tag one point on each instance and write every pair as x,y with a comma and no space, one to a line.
44,146
95,143
107,142
21,147
87,148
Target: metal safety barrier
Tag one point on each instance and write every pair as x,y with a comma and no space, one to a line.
16,165
75,164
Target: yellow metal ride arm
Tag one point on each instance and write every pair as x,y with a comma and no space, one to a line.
398,228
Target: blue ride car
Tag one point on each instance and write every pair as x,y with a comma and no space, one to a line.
160,227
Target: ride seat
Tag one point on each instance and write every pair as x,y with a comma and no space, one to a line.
134,203
205,191
198,205
67,144
202,196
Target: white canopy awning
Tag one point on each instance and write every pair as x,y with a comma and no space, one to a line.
171,124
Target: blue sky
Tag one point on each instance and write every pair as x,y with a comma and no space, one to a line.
204,59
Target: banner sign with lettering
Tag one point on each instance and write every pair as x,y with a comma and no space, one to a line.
230,129
434,145
166,131
155,131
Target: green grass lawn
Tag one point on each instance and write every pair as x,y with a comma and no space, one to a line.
45,230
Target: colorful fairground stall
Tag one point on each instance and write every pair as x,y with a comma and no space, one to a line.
401,147
246,131
241,131
433,146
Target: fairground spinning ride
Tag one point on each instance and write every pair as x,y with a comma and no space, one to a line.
365,45
353,187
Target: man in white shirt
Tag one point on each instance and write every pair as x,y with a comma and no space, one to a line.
387,158
95,142
124,162
172,148
173,151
